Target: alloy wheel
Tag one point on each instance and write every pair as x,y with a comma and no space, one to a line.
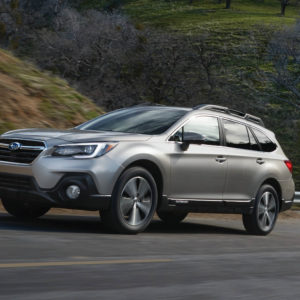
136,200
267,211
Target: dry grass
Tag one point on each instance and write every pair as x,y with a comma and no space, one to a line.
31,98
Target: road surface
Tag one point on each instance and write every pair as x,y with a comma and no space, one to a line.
74,257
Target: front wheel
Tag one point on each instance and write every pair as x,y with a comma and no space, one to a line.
265,211
133,202
24,210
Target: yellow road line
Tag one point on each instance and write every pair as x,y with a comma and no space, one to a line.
76,263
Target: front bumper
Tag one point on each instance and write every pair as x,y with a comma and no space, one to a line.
47,171
25,188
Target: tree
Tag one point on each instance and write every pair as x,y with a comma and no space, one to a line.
120,65
20,16
228,4
284,4
10,20
284,57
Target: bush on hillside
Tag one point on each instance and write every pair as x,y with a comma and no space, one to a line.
116,64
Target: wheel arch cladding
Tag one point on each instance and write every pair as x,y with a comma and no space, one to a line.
275,184
154,170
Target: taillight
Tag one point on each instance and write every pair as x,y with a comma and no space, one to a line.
289,165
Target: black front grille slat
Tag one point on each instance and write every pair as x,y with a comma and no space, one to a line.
3,150
16,182
20,180
25,156
16,159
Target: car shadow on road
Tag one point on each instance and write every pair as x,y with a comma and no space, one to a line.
92,224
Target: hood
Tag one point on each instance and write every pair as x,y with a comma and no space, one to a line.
73,135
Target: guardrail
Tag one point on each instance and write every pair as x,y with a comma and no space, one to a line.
297,197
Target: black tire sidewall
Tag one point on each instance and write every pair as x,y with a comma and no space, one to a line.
24,210
172,217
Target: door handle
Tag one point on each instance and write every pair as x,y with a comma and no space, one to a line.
221,159
260,161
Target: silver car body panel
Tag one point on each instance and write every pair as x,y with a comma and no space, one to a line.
191,175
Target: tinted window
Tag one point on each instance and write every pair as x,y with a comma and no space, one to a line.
253,143
144,120
204,130
266,144
236,135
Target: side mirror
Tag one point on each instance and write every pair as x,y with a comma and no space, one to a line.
184,146
187,138
193,138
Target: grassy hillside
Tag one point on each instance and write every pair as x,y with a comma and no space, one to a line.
31,98
209,14
245,21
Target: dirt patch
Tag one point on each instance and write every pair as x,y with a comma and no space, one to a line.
18,107
32,98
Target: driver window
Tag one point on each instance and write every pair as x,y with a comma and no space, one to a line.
204,130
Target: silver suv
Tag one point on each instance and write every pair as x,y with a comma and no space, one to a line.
133,162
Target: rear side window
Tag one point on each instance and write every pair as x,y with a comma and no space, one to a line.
236,135
266,144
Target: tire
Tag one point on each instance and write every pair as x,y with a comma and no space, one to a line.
24,210
263,218
172,218
133,203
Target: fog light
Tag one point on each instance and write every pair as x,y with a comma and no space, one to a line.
73,191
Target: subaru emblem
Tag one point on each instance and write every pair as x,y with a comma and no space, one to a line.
14,146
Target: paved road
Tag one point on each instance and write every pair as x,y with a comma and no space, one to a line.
73,257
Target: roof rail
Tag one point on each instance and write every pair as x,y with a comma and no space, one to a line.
212,107
236,113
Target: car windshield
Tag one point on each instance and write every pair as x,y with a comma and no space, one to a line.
142,120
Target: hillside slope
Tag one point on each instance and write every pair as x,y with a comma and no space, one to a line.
31,98
187,16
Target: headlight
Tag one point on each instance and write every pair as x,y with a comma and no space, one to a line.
83,150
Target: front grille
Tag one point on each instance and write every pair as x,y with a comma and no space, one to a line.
27,152
16,182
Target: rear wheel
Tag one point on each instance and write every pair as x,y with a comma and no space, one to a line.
133,202
24,210
264,215
172,218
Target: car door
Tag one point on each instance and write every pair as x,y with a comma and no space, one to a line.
198,172
244,162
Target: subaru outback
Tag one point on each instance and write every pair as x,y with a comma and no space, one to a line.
133,162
